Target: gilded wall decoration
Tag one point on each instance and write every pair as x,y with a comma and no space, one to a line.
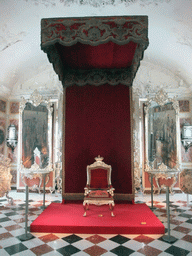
14,107
13,155
5,177
184,105
35,140
35,133
162,134
2,134
186,157
99,3
2,106
186,181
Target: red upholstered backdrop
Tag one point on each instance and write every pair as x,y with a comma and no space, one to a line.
97,123
108,55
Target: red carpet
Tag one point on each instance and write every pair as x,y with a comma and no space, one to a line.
68,218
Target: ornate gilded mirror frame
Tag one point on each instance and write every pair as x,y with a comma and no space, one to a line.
170,134
39,161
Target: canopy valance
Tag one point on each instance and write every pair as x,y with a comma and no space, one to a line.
95,50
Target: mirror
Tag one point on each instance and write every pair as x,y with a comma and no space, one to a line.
35,134
162,131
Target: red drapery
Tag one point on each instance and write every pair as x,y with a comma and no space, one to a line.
97,123
108,55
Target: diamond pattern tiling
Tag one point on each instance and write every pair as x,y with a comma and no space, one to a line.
160,245
119,239
82,244
5,235
12,223
187,238
13,227
59,243
143,239
33,243
150,251
186,216
95,250
41,249
182,229
108,244
134,245
173,250
122,250
48,238
16,248
5,219
72,238
183,244
68,250
95,239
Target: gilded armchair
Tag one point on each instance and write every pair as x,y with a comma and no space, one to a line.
98,190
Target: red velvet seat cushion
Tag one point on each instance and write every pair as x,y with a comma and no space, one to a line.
98,193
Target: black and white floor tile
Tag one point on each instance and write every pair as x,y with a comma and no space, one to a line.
12,225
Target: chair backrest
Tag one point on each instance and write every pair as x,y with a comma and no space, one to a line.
99,174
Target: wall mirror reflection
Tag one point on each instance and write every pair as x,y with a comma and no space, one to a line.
35,134
162,134
162,129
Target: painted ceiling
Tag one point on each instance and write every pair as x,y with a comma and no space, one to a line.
167,62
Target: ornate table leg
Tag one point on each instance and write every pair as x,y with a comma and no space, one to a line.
168,238
26,236
152,207
187,200
9,198
158,186
173,184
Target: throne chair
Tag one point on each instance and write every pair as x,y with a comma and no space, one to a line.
98,190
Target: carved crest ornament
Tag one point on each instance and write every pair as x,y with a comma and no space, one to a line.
94,31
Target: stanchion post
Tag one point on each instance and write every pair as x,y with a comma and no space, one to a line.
168,238
152,207
44,176
26,236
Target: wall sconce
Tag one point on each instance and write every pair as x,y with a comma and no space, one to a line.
12,137
186,136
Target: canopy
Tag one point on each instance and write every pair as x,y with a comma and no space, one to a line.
95,50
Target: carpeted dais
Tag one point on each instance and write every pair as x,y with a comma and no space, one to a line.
68,218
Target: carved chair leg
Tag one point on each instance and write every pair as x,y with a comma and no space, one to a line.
85,205
111,207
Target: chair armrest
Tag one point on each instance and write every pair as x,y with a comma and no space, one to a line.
110,190
86,190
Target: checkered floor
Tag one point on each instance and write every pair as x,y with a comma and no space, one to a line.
12,225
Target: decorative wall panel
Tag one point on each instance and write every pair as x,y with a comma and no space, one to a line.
2,106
